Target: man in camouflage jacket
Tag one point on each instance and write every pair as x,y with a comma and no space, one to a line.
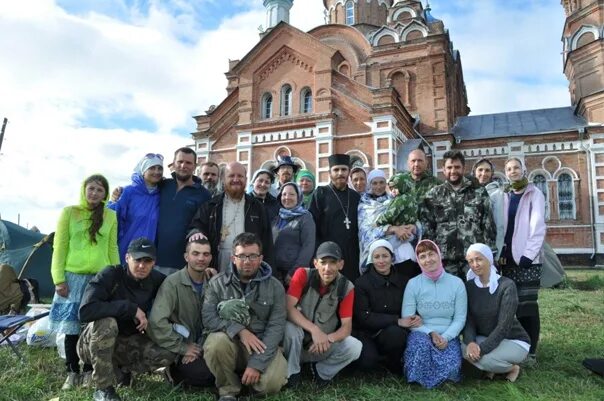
457,214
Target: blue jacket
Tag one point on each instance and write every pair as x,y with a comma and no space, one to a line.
442,304
137,212
176,210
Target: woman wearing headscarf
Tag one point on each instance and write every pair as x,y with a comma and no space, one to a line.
85,242
137,209
483,172
306,181
377,310
294,234
374,203
494,340
524,228
260,187
358,180
433,353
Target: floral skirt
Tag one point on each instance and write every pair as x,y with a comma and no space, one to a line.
429,366
64,316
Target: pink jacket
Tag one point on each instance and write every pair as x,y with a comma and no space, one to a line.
529,227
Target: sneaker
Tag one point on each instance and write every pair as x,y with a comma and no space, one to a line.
107,394
294,380
530,361
86,379
319,381
72,381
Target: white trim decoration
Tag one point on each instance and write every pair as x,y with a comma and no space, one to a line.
402,10
584,29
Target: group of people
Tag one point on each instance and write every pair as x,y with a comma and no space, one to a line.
238,286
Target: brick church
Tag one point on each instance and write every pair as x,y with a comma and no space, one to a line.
381,78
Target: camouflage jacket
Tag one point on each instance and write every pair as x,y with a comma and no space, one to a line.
420,188
456,219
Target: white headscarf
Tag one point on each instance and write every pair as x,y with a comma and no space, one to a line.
493,277
147,162
380,243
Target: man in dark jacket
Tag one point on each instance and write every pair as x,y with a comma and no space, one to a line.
115,305
244,309
229,214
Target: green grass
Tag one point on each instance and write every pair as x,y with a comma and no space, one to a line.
572,329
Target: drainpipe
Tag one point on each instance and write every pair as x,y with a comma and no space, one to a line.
591,201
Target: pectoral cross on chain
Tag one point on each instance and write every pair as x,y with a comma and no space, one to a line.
347,222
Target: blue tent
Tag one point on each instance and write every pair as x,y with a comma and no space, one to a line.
29,253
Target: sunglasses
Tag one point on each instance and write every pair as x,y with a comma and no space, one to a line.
154,155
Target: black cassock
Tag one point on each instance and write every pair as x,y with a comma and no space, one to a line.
338,221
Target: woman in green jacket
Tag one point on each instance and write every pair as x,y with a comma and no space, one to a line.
85,242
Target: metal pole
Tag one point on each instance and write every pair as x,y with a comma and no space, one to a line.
2,132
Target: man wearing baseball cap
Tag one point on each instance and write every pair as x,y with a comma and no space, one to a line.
115,305
319,319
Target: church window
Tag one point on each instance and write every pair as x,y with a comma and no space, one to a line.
566,202
286,100
267,105
386,40
306,100
350,13
540,182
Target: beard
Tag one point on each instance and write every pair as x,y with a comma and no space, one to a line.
210,185
235,193
182,177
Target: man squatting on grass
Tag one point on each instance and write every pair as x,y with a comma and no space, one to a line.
115,306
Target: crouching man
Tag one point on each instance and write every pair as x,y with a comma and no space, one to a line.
175,320
244,309
319,313
115,306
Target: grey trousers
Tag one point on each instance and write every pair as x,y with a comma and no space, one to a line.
339,355
501,359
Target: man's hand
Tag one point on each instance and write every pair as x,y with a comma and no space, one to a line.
193,352
141,320
473,352
251,342
196,237
320,342
62,290
410,321
115,195
250,376
209,273
439,341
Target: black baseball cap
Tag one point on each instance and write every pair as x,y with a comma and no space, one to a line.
329,249
142,248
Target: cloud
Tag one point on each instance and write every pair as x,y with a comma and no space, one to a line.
92,86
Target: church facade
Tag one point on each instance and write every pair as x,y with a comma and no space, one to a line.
382,77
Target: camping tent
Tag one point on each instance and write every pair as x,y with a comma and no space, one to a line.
18,244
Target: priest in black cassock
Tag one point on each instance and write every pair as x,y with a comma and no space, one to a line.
335,210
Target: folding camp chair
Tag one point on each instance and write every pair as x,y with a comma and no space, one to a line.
9,324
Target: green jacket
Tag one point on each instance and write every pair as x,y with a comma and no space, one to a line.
456,219
176,302
421,187
265,297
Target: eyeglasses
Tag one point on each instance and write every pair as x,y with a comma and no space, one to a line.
252,258
153,155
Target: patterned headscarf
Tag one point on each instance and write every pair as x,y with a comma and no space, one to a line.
147,162
435,275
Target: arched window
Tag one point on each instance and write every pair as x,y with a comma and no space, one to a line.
566,197
541,182
286,100
306,101
349,13
267,105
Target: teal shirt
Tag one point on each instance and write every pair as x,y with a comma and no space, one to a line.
442,304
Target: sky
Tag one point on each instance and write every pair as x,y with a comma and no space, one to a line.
90,86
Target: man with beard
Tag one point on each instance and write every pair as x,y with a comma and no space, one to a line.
457,214
175,319
180,197
229,214
334,208
210,175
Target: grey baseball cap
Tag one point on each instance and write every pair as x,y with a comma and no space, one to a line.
329,249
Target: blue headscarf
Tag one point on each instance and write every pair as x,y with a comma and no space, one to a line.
285,215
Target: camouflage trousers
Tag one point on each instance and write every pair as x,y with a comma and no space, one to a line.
108,352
